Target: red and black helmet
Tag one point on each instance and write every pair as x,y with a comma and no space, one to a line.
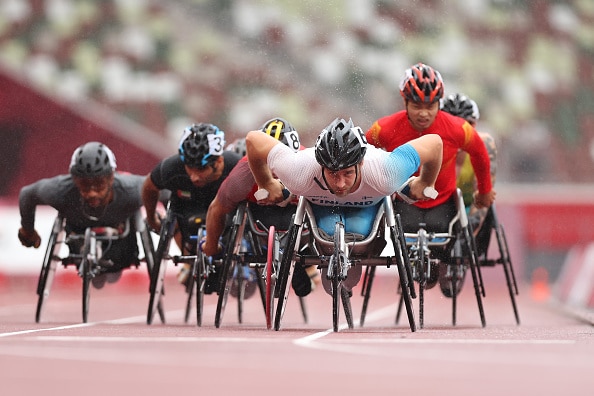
422,84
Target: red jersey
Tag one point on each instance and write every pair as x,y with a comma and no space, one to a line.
395,130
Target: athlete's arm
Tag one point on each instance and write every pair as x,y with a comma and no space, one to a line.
215,224
258,147
430,150
150,198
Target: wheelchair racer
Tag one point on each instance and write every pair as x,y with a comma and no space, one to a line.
193,176
240,186
93,194
342,176
462,106
421,89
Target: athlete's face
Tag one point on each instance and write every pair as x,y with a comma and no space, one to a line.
342,182
200,177
97,191
421,115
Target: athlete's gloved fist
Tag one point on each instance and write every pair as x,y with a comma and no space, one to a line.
29,238
215,253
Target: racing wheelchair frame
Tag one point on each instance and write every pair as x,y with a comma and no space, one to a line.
491,226
459,240
262,253
89,261
201,268
338,255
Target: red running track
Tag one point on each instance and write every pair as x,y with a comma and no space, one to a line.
549,353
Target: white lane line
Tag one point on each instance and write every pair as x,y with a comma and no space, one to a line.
133,319
376,315
158,339
305,341
21,332
436,341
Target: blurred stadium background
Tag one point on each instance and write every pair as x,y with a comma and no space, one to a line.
133,73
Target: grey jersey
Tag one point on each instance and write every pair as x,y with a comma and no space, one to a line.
60,193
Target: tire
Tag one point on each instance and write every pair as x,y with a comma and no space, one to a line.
404,274
89,257
423,268
271,272
336,261
229,262
158,272
286,273
473,263
48,268
190,290
201,275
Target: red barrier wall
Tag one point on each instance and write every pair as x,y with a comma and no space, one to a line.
39,134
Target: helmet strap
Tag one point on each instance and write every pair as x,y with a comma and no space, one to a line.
320,183
326,181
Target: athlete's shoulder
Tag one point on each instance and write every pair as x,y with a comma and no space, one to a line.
128,180
449,119
392,120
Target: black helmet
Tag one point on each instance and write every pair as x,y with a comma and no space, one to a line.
201,145
421,84
462,106
92,159
340,145
280,129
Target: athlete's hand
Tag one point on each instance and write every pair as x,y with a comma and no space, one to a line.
29,238
154,222
276,193
484,200
210,249
414,190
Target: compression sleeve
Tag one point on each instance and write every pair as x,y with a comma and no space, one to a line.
236,187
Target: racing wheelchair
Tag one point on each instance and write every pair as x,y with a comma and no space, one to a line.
202,273
341,258
251,244
86,253
491,226
459,241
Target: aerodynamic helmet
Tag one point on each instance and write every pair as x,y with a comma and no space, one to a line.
462,106
280,129
340,145
201,145
92,159
421,84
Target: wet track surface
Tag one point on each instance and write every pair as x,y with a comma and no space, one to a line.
550,353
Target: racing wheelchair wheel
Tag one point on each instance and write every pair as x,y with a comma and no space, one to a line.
285,274
158,271
48,268
87,265
407,288
271,273
230,262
